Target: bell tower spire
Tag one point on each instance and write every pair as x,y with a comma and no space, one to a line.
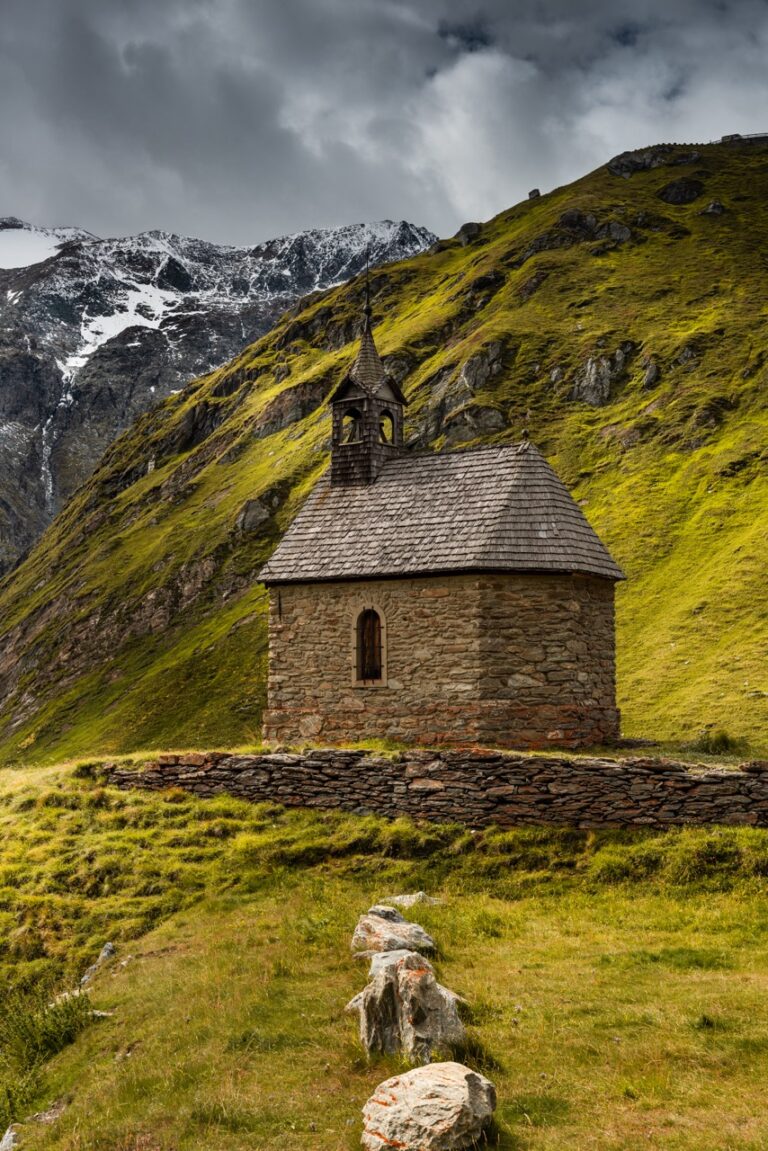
367,412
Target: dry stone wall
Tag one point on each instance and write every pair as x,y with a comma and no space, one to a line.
476,788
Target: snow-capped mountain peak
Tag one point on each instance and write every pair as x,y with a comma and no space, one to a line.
94,331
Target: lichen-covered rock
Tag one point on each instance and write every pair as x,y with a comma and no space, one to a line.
411,898
107,952
383,928
468,232
441,1107
10,1140
404,1008
682,191
644,159
593,382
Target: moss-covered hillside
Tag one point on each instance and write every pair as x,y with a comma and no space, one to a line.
627,327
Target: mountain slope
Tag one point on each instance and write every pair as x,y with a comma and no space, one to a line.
623,317
94,332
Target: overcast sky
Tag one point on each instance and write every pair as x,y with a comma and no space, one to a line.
238,120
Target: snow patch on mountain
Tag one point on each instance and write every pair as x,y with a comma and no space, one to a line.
142,306
22,245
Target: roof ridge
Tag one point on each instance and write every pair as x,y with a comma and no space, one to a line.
451,453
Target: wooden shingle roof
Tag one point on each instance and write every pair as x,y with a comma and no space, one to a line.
368,374
498,508
368,370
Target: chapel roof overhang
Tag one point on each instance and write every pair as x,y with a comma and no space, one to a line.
498,508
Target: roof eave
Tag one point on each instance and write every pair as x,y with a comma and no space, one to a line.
273,581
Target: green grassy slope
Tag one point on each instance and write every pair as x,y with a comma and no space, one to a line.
137,621
615,980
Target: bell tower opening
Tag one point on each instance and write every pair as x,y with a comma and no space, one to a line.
386,428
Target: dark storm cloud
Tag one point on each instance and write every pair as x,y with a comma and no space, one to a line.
240,119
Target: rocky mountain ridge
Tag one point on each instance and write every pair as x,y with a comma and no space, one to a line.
94,332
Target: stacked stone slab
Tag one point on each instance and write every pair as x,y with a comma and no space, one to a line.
384,929
403,1009
474,787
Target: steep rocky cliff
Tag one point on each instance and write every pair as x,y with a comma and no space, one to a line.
626,328
94,332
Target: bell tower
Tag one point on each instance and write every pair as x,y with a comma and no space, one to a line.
367,411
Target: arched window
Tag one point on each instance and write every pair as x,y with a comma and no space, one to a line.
352,426
369,653
386,428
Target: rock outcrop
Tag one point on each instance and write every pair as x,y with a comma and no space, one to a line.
644,159
594,382
107,952
682,191
404,1009
457,409
383,928
442,1107
468,232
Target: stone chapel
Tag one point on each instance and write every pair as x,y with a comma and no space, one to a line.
446,598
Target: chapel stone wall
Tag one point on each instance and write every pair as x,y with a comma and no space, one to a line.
507,660
547,661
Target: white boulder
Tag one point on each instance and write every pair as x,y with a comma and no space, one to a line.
383,928
441,1107
404,1008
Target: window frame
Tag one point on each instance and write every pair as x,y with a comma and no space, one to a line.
360,608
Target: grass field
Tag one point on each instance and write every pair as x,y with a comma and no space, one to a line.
616,981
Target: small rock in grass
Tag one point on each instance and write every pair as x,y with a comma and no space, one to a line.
411,898
404,1008
755,767
383,928
107,951
52,1113
441,1107
10,1140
